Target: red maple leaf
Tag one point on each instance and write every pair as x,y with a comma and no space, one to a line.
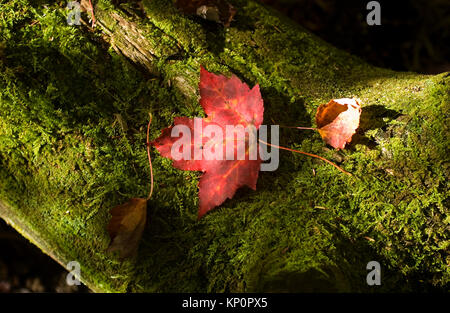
227,102
338,120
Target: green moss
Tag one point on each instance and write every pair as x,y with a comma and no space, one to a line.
72,145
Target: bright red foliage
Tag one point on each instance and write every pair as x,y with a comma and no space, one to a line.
226,101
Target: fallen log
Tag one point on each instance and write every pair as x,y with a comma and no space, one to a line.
74,103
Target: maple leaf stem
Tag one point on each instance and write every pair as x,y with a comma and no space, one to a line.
296,127
308,154
92,13
299,127
310,128
149,157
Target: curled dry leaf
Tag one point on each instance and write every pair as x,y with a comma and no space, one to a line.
219,11
338,120
126,226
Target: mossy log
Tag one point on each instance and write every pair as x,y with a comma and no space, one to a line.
74,104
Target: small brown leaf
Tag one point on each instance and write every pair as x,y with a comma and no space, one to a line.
126,226
338,120
219,11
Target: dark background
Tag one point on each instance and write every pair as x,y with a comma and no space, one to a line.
414,35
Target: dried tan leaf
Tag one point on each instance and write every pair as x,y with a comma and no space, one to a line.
126,226
338,120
